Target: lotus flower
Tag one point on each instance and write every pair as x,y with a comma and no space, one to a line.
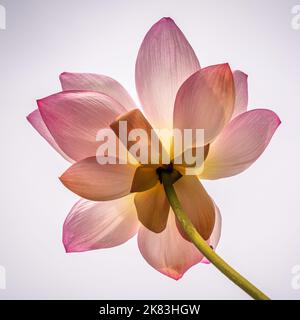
122,200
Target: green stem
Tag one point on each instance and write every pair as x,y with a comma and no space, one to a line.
202,245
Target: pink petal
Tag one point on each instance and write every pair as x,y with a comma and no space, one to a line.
96,82
96,225
167,251
38,123
241,92
164,61
99,182
205,101
240,144
197,204
75,117
216,234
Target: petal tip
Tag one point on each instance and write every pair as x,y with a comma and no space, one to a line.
67,249
63,76
226,66
65,73
278,120
173,274
66,240
222,68
40,103
241,73
165,22
166,19
63,179
63,176
30,116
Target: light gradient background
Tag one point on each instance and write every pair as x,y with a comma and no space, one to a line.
260,208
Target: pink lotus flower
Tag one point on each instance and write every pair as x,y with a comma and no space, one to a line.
125,199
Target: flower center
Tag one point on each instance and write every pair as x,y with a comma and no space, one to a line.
168,168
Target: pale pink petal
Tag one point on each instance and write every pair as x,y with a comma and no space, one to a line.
168,252
99,182
241,92
38,123
75,117
96,225
216,234
205,101
165,60
197,204
97,82
240,144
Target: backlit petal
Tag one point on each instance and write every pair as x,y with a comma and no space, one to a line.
197,204
241,92
153,208
168,252
96,225
145,178
97,82
240,144
38,123
205,101
74,119
165,60
96,182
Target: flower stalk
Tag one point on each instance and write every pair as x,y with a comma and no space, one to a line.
202,245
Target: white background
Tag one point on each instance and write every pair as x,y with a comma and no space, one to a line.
260,208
